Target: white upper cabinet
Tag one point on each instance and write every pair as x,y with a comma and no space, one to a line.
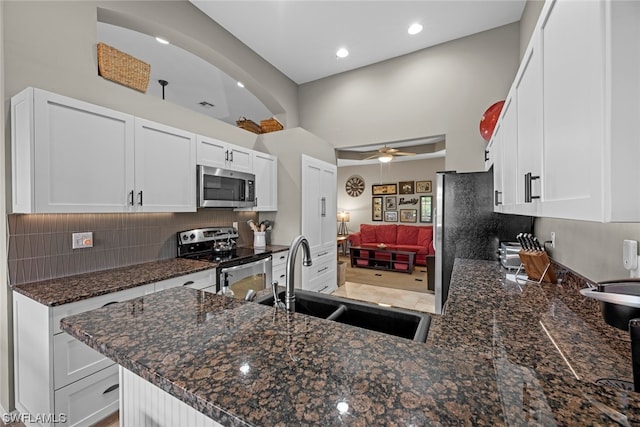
70,156
528,89
578,114
165,168
496,156
265,168
509,141
219,154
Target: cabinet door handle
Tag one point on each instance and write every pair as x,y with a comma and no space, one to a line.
112,388
323,269
496,198
131,197
226,156
528,180
110,303
323,208
486,155
140,197
323,288
231,156
190,282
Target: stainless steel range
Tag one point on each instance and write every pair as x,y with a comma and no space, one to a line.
240,268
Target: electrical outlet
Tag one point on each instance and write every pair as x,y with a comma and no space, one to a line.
82,240
553,239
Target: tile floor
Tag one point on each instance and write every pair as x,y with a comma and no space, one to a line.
418,301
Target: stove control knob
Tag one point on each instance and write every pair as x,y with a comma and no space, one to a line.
185,237
193,236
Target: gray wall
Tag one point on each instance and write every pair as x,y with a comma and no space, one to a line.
528,22
60,56
440,90
360,207
289,145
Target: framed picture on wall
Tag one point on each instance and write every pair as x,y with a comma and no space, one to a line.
408,215
390,203
423,186
378,189
405,187
376,208
391,216
426,209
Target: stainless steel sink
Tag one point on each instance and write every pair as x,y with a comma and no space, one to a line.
393,321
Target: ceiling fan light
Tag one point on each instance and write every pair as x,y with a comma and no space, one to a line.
385,159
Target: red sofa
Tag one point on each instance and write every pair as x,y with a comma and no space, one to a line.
408,238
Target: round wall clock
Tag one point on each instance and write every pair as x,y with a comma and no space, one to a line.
354,186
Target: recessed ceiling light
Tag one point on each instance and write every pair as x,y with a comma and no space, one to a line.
414,29
342,53
240,84
161,40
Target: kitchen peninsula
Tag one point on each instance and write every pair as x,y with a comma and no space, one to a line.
489,360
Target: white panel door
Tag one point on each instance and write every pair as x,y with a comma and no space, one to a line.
573,70
212,152
83,156
265,168
509,141
529,128
165,172
240,159
311,203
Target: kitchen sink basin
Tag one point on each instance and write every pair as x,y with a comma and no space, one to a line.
393,321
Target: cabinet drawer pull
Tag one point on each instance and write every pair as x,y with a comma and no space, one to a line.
323,288
110,303
323,269
322,254
283,275
283,257
112,388
190,282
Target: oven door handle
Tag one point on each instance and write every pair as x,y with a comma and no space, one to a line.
243,266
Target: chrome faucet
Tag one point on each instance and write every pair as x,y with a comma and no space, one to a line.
289,296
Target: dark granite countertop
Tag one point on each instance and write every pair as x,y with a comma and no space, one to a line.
69,289
486,361
64,290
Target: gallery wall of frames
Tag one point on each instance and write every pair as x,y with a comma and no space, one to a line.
403,201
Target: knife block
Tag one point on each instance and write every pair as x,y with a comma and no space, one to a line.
538,266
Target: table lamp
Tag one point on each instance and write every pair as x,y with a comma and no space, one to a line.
343,218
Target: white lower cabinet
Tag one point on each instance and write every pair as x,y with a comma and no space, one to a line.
57,375
90,399
279,267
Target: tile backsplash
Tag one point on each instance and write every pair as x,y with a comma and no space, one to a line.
40,244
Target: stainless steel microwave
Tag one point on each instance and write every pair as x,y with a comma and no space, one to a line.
223,188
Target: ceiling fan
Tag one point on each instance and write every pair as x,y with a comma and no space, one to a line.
385,154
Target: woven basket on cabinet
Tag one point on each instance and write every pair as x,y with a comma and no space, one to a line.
122,68
249,125
270,125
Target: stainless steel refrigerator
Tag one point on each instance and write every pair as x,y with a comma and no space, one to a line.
466,226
